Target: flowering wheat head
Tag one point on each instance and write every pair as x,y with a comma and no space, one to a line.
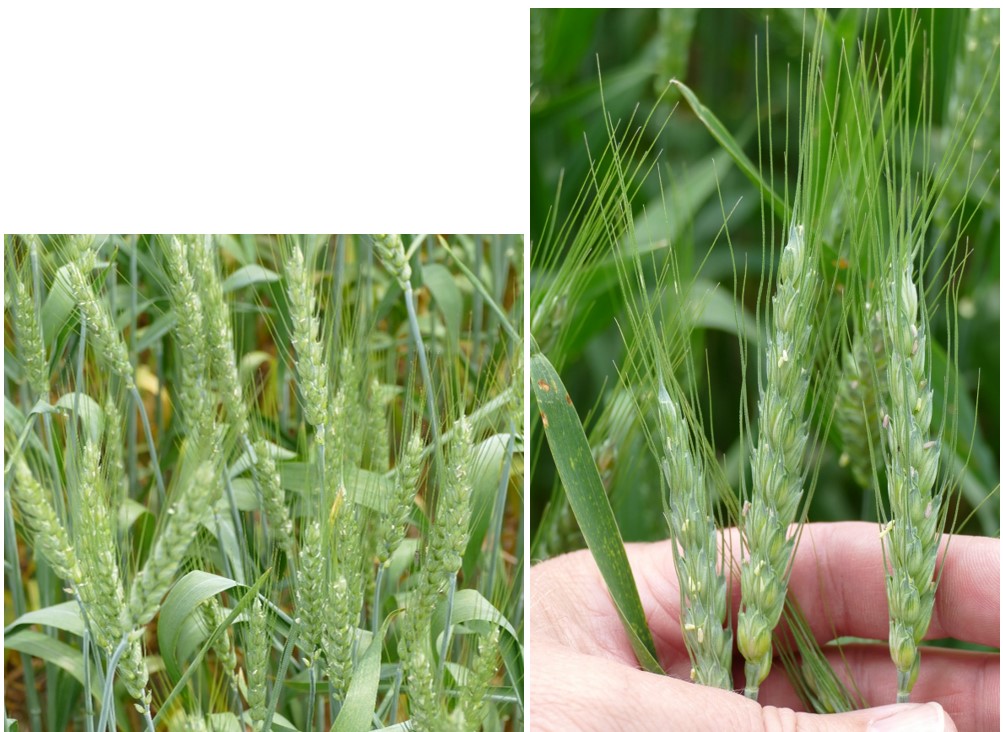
777,460
702,589
913,459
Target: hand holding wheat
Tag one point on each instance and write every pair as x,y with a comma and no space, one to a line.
586,670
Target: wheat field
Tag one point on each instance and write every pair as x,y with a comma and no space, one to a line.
234,501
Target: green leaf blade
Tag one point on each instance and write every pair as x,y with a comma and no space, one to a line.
590,504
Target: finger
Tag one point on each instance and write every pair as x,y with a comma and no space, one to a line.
966,683
573,691
838,578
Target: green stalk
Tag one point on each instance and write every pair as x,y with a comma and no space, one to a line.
494,538
312,698
377,597
432,307
337,284
426,377
88,702
108,700
447,630
280,675
154,461
394,706
483,292
478,308
131,429
238,525
20,608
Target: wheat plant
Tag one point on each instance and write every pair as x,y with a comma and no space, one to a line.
227,468
778,314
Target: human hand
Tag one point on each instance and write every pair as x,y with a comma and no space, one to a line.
584,676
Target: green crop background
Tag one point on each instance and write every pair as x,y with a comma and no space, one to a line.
692,189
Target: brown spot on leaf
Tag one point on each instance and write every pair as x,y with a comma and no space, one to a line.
544,386
567,398
543,416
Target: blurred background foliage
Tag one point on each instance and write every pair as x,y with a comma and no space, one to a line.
692,189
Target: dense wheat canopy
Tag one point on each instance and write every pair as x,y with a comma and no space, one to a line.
231,487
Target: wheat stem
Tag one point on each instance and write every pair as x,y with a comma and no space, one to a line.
390,249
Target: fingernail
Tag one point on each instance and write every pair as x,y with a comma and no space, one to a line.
915,717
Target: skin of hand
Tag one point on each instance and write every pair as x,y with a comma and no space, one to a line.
583,674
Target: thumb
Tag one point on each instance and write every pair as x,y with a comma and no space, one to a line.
929,717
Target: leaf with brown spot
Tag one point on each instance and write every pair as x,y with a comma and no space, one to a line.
588,499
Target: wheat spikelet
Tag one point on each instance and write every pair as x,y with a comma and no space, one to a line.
114,460
472,708
134,673
340,636
273,497
675,27
424,707
377,437
390,250
191,335
102,332
28,334
393,527
49,534
94,575
777,460
219,335
702,589
443,557
970,113
451,530
311,591
347,592
102,593
256,664
214,615
150,585
857,399
310,364
348,419
913,459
